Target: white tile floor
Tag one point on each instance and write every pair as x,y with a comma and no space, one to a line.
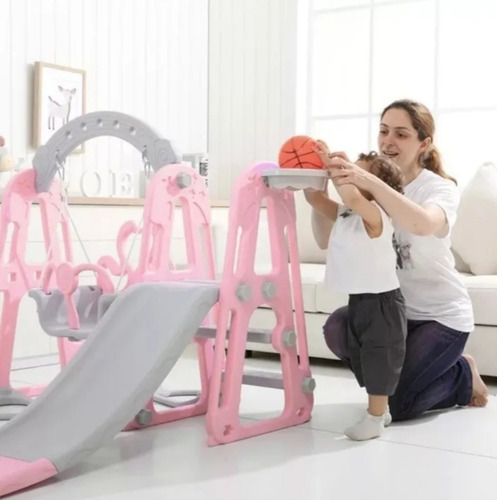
446,456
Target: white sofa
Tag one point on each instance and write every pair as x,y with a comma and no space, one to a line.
319,302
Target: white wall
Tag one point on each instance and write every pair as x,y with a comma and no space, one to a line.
153,59
147,59
252,82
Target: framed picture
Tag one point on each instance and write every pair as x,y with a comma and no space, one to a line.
59,96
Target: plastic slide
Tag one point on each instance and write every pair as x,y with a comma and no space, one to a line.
111,378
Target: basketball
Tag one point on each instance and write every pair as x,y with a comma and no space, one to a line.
298,152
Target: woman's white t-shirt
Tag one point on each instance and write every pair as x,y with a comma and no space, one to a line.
432,288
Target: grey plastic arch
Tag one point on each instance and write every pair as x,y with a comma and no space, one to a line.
156,150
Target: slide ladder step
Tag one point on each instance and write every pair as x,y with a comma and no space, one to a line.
256,335
274,380
263,379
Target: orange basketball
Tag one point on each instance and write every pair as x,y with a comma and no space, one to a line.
298,152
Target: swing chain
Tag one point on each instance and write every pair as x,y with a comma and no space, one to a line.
146,164
61,171
60,166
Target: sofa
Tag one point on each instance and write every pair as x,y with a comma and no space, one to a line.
474,245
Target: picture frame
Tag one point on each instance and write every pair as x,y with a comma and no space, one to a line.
59,95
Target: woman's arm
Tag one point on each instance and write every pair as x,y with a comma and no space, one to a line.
420,220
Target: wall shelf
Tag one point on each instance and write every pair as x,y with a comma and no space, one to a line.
111,201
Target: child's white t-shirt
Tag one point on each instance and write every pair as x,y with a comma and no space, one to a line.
432,288
357,263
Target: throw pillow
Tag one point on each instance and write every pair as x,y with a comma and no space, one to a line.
474,237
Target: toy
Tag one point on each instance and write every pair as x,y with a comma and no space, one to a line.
298,152
6,161
139,333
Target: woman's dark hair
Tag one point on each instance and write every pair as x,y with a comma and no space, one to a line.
385,169
424,124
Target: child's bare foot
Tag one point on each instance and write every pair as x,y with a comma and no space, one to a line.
479,397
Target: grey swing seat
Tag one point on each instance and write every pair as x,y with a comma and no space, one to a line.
90,302
68,309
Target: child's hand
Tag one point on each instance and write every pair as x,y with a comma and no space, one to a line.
322,150
339,154
328,158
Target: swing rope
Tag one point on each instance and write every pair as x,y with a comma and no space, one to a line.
63,210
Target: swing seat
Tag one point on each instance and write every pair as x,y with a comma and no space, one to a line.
91,304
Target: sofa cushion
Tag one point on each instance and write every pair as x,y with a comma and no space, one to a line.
327,300
461,266
474,237
324,300
482,290
308,248
483,293
312,275
318,298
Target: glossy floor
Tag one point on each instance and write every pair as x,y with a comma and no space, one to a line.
443,456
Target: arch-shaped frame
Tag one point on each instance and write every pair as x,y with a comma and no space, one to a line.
156,150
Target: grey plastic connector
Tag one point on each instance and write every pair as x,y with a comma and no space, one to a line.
170,398
263,379
244,292
269,289
308,385
257,335
10,397
143,418
289,338
183,180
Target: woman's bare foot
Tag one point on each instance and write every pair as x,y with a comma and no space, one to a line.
479,397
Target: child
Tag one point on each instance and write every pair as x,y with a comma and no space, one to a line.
361,261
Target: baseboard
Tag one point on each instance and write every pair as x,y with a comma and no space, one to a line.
34,361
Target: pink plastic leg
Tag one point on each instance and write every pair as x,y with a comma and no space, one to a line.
16,475
206,355
173,188
242,292
8,324
67,350
17,276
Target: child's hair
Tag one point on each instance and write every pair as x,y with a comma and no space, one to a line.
385,169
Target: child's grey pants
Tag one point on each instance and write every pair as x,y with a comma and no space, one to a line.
377,330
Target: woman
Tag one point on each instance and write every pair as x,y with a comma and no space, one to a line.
435,374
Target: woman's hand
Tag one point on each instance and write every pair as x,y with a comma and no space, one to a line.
343,172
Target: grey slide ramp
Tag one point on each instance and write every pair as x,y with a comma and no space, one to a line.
113,376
